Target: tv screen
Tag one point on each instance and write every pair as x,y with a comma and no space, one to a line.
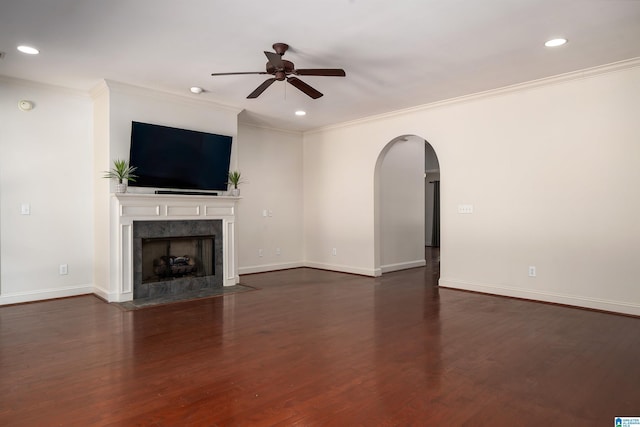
172,158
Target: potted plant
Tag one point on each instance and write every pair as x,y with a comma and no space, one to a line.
121,171
235,179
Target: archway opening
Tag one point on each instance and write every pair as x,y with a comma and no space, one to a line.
406,217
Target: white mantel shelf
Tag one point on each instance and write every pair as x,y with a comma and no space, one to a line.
129,207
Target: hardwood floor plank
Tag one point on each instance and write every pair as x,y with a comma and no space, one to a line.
318,348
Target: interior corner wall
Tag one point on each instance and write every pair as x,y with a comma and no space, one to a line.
269,218
102,274
45,164
550,169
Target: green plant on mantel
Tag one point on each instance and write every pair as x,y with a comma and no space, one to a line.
121,171
235,178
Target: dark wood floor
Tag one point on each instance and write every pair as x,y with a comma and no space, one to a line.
318,348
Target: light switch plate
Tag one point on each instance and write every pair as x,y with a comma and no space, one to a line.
465,209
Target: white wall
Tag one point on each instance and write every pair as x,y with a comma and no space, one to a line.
46,163
402,204
551,169
339,166
271,166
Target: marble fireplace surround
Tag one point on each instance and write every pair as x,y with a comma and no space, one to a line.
191,231
128,208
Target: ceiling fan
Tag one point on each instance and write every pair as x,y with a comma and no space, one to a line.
281,69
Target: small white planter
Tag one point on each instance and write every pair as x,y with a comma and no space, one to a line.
121,188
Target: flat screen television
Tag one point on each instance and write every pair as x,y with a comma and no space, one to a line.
179,159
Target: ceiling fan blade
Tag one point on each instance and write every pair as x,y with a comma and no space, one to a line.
275,60
336,72
256,93
233,74
304,87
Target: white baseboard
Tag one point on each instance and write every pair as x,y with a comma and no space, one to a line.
269,267
21,297
403,266
103,293
344,269
265,268
557,298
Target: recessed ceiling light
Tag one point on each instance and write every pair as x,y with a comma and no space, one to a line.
555,42
196,89
301,113
28,50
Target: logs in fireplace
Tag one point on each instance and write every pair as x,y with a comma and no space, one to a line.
174,266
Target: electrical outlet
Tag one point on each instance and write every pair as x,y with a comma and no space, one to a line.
260,252
532,271
334,252
63,269
25,209
278,252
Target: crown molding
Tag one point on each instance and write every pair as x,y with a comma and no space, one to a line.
98,90
546,81
271,128
31,84
125,88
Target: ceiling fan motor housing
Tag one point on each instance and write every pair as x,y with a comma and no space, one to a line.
287,69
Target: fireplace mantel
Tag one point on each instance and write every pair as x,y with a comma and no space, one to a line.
129,207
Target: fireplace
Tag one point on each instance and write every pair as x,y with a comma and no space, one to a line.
176,257
175,217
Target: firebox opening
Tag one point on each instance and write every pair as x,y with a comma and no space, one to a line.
168,258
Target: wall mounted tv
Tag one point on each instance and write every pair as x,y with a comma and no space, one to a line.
179,159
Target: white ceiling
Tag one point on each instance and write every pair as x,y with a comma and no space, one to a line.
396,53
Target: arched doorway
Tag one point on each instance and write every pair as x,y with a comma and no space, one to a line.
407,173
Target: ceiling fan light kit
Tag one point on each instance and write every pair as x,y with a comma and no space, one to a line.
281,70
